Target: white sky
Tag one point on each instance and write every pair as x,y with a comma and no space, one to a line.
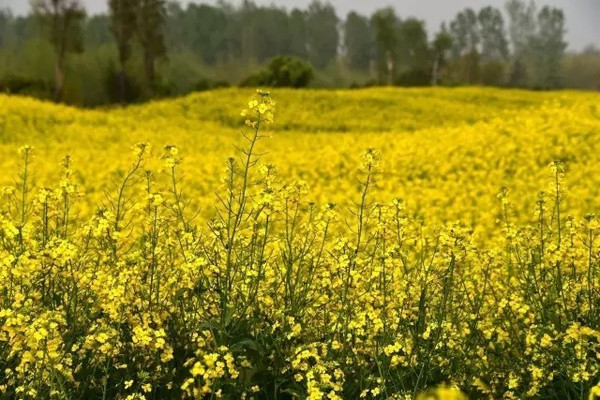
583,16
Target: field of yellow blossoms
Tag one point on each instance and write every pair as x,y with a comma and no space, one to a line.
372,244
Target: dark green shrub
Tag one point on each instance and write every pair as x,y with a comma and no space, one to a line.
204,84
493,73
283,71
14,84
122,88
414,77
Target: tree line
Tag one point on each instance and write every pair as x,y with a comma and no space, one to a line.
143,49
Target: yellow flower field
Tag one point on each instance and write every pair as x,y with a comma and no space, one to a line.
447,152
373,243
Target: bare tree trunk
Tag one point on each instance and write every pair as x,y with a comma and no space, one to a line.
150,70
390,67
435,75
122,83
59,78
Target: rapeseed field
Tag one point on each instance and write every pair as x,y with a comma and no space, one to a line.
310,244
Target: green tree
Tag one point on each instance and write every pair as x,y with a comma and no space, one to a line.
466,38
248,34
273,32
441,46
358,41
465,32
385,25
151,20
123,25
494,45
5,26
413,53
97,31
582,70
297,27
549,47
202,29
322,35
228,44
63,22
175,31
283,71
20,28
264,32
522,27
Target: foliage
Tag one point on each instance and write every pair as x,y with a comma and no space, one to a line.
24,86
206,84
385,24
433,262
549,47
283,72
465,32
63,22
151,19
124,23
414,55
322,36
466,38
121,86
358,41
226,42
538,43
581,70
494,45
493,73
442,44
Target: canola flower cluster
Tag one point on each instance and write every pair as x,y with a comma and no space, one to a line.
130,291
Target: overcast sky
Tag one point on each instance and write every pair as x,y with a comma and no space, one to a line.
583,16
